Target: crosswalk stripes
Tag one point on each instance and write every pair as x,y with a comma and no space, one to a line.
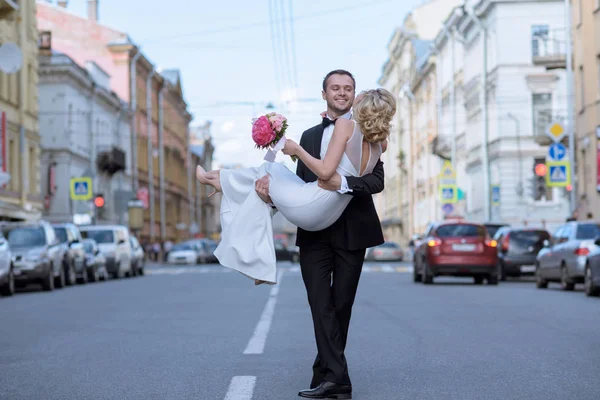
293,270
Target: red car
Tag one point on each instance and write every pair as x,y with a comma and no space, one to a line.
456,248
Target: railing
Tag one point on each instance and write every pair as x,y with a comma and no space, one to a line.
550,45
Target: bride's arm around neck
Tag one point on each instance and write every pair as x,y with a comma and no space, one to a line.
326,168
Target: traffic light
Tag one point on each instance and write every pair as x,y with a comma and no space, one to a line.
99,206
539,180
99,201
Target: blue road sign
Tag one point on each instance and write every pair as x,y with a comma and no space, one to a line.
447,208
495,195
558,174
81,188
557,152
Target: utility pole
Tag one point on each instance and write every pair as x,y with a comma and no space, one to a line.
161,164
150,152
484,116
570,105
133,105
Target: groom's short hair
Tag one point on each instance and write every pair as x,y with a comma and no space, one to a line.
337,72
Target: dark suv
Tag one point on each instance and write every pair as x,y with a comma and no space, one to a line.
37,255
70,240
518,249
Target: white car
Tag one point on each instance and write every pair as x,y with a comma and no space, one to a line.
183,253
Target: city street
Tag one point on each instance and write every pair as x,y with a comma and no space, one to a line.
203,332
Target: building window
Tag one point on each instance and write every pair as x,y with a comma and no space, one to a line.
541,104
13,160
598,74
581,89
539,40
33,186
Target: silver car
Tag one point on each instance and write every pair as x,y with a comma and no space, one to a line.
388,251
565,256
7,273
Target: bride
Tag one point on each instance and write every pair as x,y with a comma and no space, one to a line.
247,231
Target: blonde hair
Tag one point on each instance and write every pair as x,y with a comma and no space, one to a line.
374,114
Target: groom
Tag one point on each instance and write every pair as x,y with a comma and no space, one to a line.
331,260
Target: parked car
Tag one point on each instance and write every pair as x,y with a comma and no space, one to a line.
37,255
295,252
69,238
518,249
7,274
113,241
203,249
591,280
183,253
94,260
388,251
282,253
456,248
137,256
565,256
492,227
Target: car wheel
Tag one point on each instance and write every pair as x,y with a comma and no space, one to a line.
590,289
478,280
8,289
48,283
416,276
84,277
565,282
94,276
494,277
501,273
540,282
71,275
427,275
61,281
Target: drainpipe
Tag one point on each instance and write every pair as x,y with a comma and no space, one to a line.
150,151
189,176
161,164
133,106
484,117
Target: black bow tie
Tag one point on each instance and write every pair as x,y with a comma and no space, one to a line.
326,122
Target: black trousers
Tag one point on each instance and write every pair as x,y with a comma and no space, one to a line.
331,276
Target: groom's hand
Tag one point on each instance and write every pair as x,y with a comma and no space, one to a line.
333,184
262,189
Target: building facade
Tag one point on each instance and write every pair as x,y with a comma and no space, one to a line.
524,86
20,197
84,132
586,67
161,165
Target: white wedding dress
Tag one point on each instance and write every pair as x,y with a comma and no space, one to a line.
246,221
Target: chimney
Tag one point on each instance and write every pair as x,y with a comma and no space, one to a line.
92,10
63,3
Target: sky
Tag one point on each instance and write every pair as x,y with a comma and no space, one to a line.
224,50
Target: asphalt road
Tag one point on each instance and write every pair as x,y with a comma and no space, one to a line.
204,333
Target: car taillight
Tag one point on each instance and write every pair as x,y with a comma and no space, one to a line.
434,243
582,251
491,243
505,242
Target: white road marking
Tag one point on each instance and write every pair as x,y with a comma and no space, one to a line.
241,388
257,342
387,268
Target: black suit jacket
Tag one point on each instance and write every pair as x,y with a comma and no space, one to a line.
358,227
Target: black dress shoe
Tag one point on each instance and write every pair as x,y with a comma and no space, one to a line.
328,390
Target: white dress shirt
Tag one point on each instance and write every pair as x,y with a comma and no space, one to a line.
327,133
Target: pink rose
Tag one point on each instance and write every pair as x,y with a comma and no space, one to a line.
277,121
262,133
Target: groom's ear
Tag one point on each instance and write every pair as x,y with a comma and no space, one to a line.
323,95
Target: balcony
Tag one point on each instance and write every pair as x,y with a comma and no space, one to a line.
441,146
548,49
8,9
543,119
111,161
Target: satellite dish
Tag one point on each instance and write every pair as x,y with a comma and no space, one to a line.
11,58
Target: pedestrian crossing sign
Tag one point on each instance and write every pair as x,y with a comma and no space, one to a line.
81,188
448,194
558,174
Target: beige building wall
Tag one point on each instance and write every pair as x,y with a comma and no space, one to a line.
20,198
586,67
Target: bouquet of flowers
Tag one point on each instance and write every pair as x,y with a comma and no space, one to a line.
268,132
